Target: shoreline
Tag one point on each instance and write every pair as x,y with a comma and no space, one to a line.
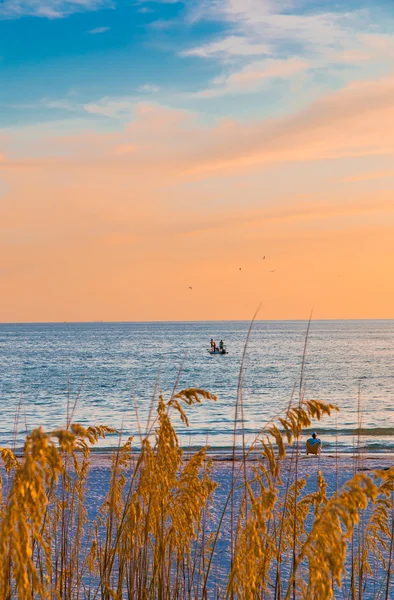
228,456
346,462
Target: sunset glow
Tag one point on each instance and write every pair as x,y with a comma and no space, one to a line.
153,147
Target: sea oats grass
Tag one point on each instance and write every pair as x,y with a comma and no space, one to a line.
159,533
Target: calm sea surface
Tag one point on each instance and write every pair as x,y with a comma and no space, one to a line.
107,368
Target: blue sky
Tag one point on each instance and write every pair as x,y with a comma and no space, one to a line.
95,60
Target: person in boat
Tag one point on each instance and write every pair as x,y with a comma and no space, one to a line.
213,345
221,346
313,444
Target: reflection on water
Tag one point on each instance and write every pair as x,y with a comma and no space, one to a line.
102,366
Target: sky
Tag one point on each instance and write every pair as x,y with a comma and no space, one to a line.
164,160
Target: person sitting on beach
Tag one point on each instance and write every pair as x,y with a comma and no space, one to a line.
313,445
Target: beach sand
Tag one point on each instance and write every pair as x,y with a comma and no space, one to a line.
337,469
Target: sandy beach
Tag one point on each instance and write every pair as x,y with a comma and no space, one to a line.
337,469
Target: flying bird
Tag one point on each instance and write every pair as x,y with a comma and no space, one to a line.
273,271
190,288
240,269
263,257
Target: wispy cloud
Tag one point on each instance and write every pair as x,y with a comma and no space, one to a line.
111,107
123,149
50,9
230,46
62,104
159,192
149,89
99,30
257,31
253,77
370,176
114,107
275,23
354,122
119,107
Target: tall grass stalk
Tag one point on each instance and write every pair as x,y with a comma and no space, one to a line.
161,530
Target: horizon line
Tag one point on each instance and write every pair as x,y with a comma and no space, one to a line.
96,322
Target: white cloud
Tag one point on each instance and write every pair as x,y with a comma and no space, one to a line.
99,30
229,46
253,77
108,106
257,22
111,107
50,103
149,89
117,107
296,42
50,9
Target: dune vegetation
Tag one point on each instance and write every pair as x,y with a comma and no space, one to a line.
153,537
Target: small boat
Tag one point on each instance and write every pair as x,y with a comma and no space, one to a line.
217,350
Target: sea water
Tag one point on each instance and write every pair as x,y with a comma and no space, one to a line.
112,373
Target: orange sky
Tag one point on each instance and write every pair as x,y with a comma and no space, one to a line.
117,226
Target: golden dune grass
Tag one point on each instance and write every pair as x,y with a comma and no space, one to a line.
150,539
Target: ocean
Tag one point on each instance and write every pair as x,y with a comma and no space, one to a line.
110,371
